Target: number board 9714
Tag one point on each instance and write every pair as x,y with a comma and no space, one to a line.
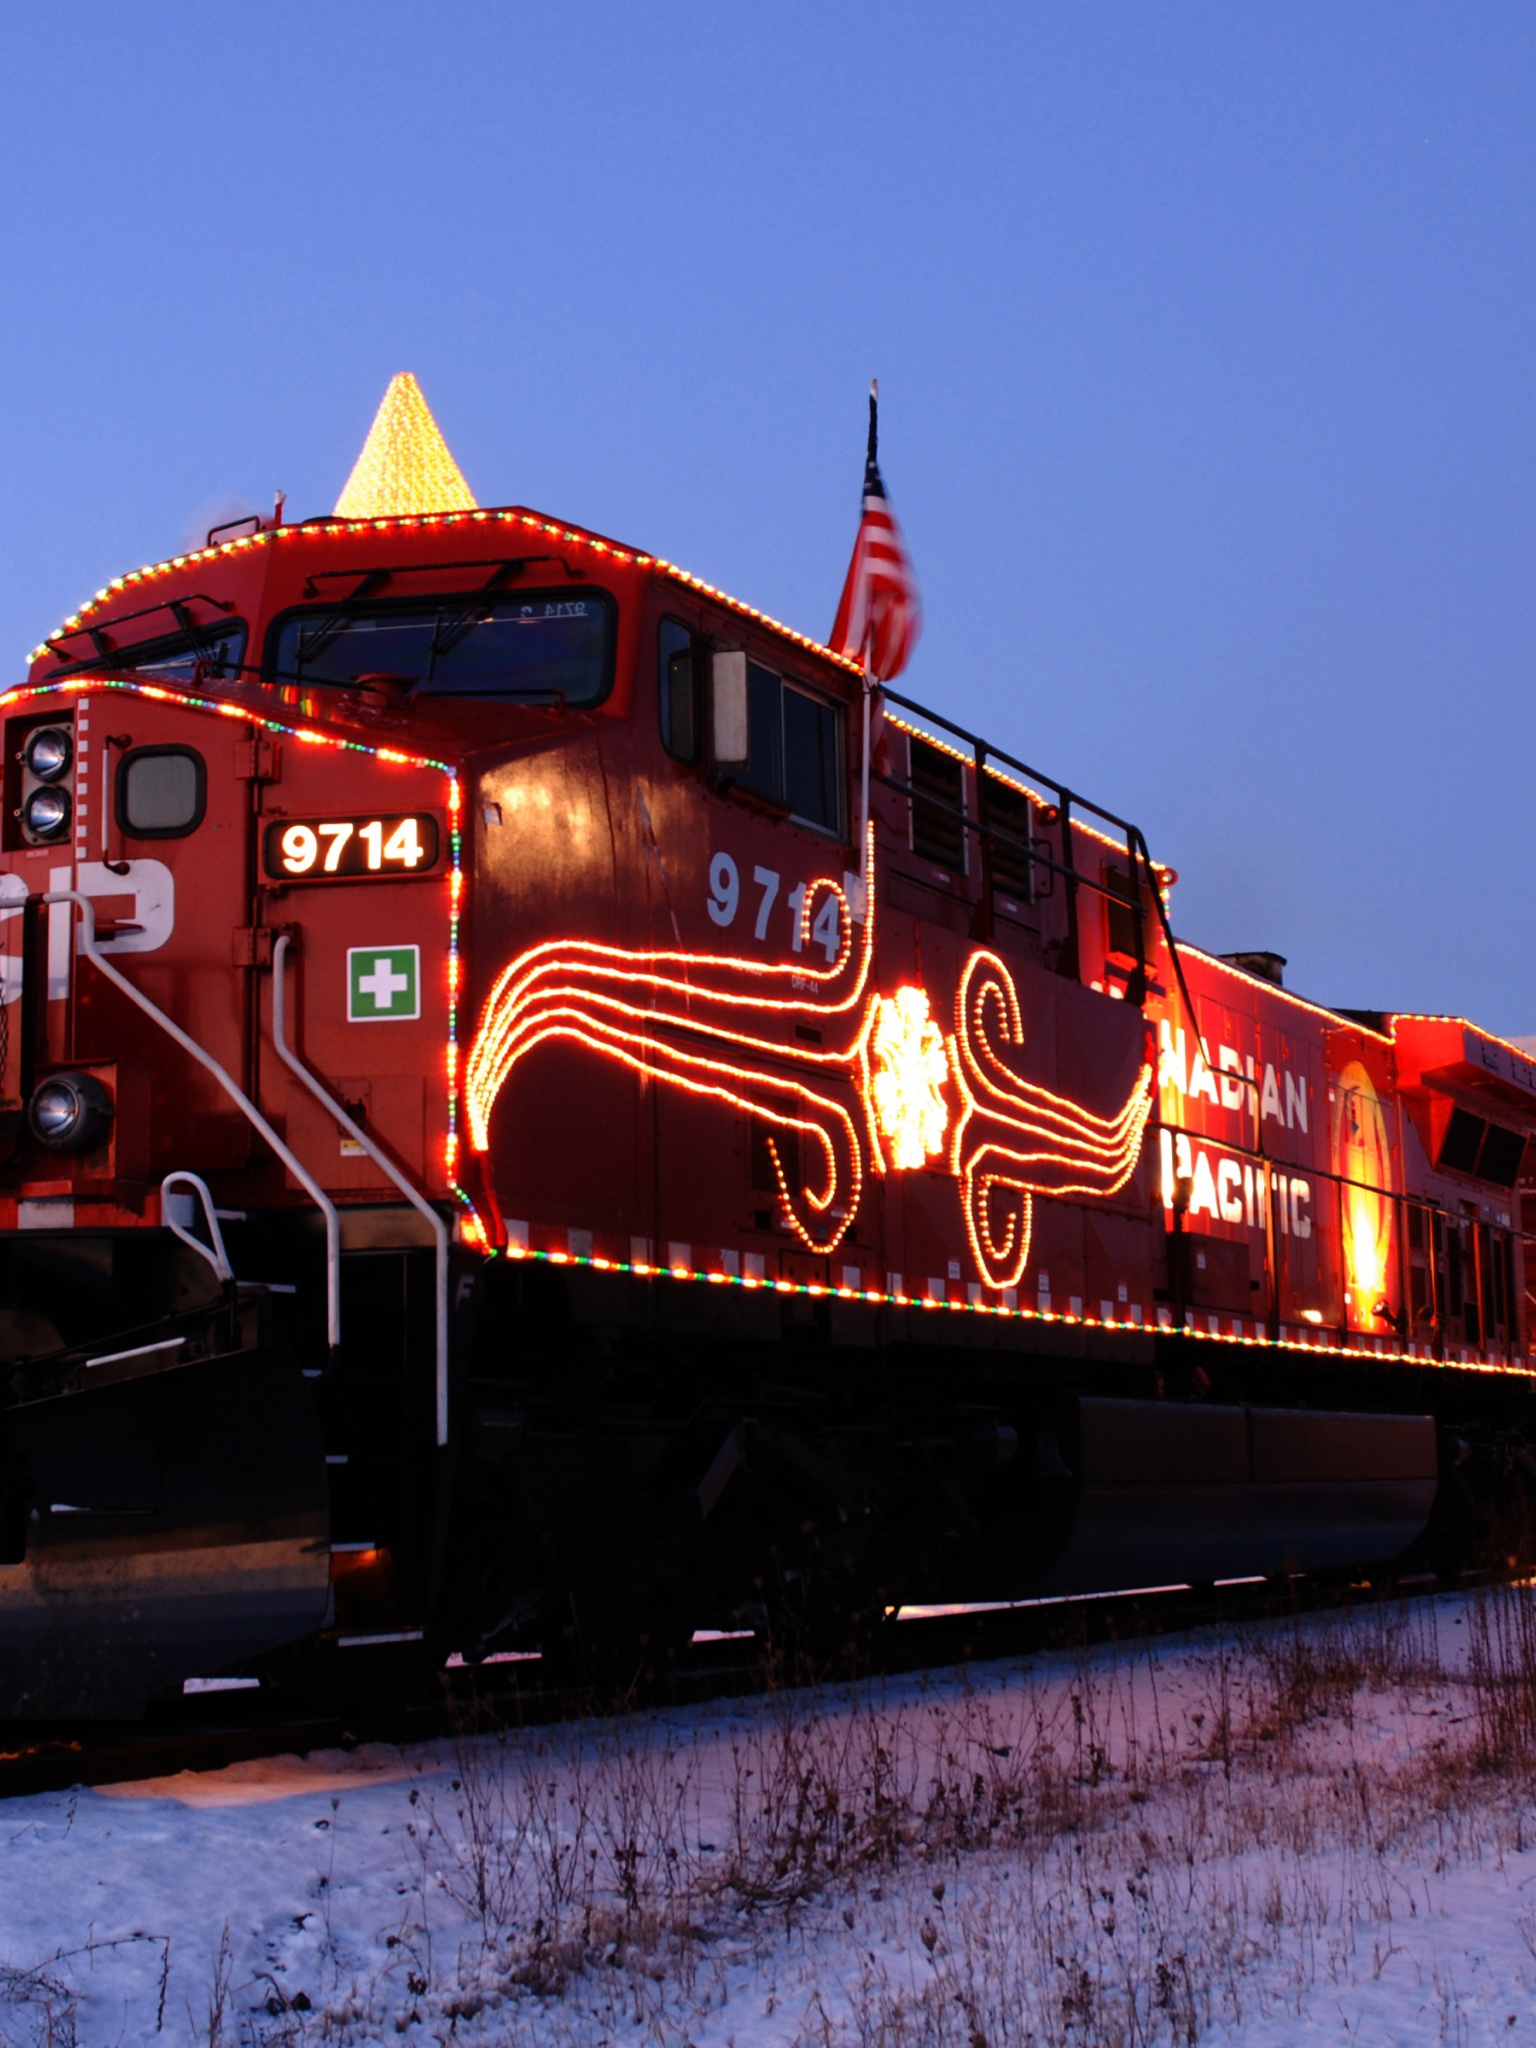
348,849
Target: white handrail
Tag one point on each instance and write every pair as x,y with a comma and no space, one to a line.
217,1257
386,1165
242,1101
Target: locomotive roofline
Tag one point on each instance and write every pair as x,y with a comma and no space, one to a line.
1385,1033
328,526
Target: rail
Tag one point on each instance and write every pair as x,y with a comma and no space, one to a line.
991,834
385,1164
247,1108
988,752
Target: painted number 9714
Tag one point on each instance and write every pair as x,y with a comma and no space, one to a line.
321,849
725,887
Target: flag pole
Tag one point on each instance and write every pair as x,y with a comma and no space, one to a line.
863,847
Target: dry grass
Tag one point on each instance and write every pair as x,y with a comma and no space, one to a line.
1130,1850
40,2008
1110,1859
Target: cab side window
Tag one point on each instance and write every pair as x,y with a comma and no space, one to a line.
676,672
795,748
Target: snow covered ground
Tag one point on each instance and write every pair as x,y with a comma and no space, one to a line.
1320,1832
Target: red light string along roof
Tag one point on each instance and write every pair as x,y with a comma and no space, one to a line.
569,536
1337,1022
1396,1017
1272,990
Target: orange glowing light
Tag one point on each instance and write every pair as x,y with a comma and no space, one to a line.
908,1071
1363,1160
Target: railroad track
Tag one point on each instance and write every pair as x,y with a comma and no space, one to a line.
208,1731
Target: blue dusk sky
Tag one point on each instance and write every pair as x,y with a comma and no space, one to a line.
1205,338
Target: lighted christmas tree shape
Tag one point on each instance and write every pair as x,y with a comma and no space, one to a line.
405,466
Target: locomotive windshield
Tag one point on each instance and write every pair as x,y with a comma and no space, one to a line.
542,645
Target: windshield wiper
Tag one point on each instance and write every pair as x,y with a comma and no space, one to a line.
316,642
453,629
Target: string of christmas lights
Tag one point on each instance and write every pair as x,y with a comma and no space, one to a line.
1016,1138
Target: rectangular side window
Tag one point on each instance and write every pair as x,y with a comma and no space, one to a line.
677,690
1502,1155
765,733
811,769
795,752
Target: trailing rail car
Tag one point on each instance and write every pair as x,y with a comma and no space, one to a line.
538,1110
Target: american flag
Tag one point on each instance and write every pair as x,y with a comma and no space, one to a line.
878,616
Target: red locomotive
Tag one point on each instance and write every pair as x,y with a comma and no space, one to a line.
537,1114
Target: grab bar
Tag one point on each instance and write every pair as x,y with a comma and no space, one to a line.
242,1101
216,1256
386,1165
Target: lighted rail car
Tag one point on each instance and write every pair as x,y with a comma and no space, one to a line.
536,1114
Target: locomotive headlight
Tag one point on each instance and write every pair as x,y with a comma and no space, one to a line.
49,752
46,813
69,1112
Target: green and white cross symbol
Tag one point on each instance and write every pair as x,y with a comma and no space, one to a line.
383,983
